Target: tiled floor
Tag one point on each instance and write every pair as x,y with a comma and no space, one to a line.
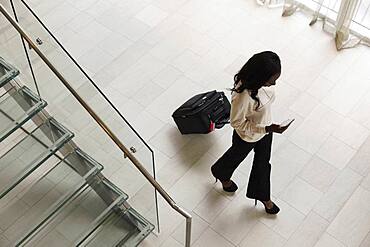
149,56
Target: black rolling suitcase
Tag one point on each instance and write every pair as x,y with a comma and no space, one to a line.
203,113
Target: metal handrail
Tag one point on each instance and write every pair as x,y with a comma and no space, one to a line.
106,129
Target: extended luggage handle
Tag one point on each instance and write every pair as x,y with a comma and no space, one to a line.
220,123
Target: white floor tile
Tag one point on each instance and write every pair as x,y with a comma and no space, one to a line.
167,49
161,31
169,5
328,241
151,15
4,241
167,76
286,222
133,79
219,30
169,140
195,185
212,205
301,195
287,161
351,133
355,215
282,173
294,153
192,7
223,143
220,57
320,87
211,238
83,5
309,232
319,174
366,183
236,65
304,105
360,113
134,29
341,64
127,59
170,242
95,32
326,117
310,135
60,15
346,90
95,59
261,235
202,22
200,44
80,21
172,171
129,9
336,153
186,61
148,93
338,193
146,125
278,142
207,76
78,45
236,220
117,98
366,241
98,8
115,44
114,16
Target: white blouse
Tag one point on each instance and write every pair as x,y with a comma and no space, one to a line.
248,121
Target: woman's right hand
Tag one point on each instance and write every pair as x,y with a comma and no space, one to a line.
276,128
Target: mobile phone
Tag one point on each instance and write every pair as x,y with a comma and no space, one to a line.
286,122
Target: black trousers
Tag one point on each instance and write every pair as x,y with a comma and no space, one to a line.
259,179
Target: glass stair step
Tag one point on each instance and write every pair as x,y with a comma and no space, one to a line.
7,72
83,213
120,228
17,108
30,153
48,194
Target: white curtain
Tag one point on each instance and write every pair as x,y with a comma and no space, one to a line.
347,20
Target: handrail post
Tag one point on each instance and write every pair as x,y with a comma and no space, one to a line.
188,232
104,126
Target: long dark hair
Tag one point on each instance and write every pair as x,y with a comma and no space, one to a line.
256,72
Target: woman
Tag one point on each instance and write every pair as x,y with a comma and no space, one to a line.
251,119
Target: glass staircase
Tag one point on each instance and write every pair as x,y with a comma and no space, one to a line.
64,198
16,108
30,153
120,234
7,72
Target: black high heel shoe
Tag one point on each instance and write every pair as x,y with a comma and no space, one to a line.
274,210
232,188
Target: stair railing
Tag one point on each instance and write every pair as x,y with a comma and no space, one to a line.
104,126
